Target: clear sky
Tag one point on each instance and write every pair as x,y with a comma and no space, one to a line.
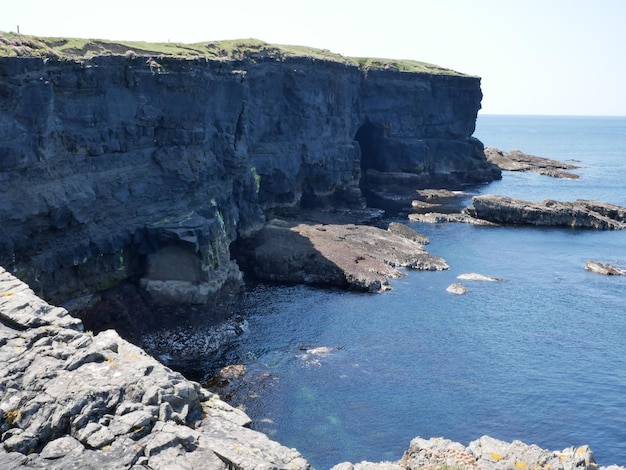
534,56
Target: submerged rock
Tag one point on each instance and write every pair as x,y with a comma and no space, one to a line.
457,288
606,269
478,277
313,356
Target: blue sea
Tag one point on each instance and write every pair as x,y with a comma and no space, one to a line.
540,357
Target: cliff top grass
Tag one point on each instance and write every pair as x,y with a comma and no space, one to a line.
19,45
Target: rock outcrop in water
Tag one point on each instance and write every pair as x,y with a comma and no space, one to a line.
147,167
603,268
69,399
578,214
504,210
358,257
516,160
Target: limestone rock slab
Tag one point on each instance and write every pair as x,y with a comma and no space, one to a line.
351,256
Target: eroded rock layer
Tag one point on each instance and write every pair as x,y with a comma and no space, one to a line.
516,160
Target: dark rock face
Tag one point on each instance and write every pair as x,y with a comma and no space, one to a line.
106,164
116,168
423,126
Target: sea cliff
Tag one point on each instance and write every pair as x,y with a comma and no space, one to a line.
128,164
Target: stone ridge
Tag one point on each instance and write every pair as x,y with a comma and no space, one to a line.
113,166
491,209
516,160
69,399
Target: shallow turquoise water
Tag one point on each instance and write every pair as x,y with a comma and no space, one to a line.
540,357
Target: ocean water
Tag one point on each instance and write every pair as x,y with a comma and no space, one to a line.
539,357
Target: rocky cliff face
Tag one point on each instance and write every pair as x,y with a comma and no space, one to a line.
147,168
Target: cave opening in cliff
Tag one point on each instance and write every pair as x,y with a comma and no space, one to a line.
370,137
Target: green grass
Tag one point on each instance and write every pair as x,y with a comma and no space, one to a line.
18,45
411,66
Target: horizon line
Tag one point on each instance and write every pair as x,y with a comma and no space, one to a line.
554,115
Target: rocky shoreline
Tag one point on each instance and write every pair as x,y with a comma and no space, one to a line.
135,166
485,453
142,171
71,399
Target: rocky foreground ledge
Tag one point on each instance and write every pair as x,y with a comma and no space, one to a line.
485,453
72,400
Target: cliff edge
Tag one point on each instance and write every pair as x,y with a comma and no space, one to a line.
131,161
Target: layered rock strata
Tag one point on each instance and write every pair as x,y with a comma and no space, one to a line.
70,399
147,167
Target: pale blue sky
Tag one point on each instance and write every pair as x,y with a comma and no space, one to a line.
534,56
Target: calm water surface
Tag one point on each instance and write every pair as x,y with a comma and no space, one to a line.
540,357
